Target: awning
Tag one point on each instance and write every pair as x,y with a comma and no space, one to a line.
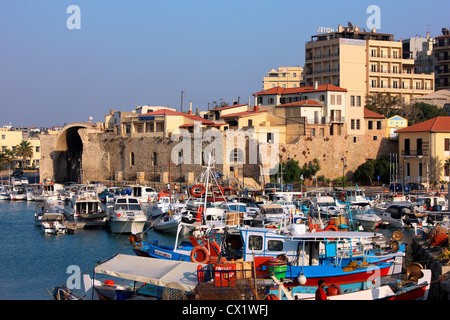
153,271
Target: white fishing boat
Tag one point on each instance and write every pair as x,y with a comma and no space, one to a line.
53,223
159,206
18,193
49,206
48,191
126,216
84,205
402,216
143,193
4,192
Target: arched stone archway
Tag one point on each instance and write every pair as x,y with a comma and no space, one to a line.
68,153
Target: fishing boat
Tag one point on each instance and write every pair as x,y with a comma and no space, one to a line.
126,216
85,206
18,193
53,223
48,191
159,205
143,193
415,287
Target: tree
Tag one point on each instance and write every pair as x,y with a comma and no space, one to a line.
292,171
382,103
7,157
24,150
365,172
420,111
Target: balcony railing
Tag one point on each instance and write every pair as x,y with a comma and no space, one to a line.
412,153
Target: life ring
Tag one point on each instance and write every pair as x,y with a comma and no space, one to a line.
199,254
331,228
299,196
198,194
215,191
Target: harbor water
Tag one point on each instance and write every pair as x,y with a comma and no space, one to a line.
33,261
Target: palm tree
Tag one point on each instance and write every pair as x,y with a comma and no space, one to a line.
24,150
7,157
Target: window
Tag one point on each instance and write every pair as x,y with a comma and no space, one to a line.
38,149
3,137
339,99
352,124
378,125
313,132
352,101
332,99
250,123
132,158
358,124
155,159
255,243
395,84
275,245
420,170
370,125
237,156
294,75
447,144
270,101
373,67
407,147
375,138
408,169
419,147
358,101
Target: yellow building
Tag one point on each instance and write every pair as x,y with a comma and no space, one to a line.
10,139
424,148
285,77
364,63
393,124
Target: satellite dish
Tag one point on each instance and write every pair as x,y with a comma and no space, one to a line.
350,25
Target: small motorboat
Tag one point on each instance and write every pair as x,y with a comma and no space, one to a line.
126,216
53,223
363,213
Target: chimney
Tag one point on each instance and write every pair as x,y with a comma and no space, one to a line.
316,85
255,108
190,107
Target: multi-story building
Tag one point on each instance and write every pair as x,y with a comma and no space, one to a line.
393,124
364,63
315,105
285,77
424,149
10,139
441,50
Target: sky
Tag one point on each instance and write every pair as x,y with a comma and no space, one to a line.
146,52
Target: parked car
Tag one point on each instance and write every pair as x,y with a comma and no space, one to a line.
415,186
398,187
17,172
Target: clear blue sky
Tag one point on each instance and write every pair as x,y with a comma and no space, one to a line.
138,52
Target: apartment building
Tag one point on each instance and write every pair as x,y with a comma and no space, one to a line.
364,63
10,139
285,77
424,148
441,49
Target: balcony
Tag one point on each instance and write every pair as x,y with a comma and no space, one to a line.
412,153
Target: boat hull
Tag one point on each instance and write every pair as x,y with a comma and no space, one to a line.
126,226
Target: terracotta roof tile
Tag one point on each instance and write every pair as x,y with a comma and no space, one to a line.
307,102
438,124
372,114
